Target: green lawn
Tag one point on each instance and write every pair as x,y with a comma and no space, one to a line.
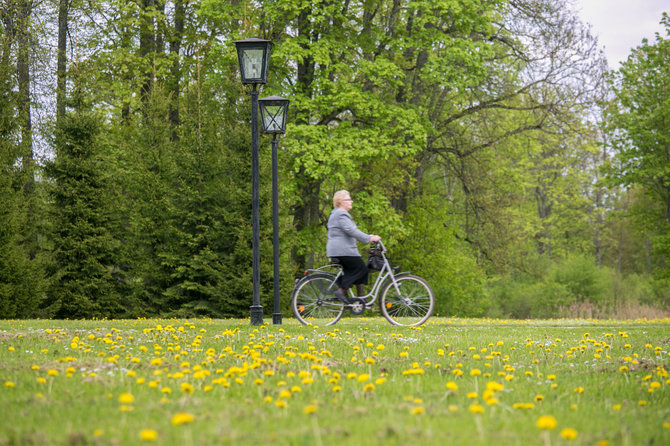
362,381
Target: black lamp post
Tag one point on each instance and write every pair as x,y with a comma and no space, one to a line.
273,118
254,59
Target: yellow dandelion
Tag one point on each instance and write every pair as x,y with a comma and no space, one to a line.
538,398
475,372
369,388
363,377
336,389
472,395
126,398
569,433
186,388
52,372
312,408
476,408
418,410
546,422
9,384
381,380
182,418
282,404
452,386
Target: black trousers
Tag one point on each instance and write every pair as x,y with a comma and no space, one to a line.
355,271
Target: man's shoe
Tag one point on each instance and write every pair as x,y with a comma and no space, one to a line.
340,295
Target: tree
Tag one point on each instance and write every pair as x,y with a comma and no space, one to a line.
84,275
639,121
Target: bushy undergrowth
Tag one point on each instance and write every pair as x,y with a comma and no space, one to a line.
576,287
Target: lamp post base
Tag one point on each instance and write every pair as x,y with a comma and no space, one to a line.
276,318
256,315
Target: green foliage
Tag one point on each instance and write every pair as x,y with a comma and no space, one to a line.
20,277
462,128
431,250
638,119
84,274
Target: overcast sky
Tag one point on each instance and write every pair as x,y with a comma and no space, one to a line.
622,24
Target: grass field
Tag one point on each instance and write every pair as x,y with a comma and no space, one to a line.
362,381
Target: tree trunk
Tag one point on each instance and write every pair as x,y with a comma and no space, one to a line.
175,71
61,62
147,47
24,10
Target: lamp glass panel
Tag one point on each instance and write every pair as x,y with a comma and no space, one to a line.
253,63
273,118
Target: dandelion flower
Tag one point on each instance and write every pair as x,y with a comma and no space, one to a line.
9,384
476,408
452,386
546,422
418,410
569,433
126,398
363,377
369,387
312,408
475,372
182,418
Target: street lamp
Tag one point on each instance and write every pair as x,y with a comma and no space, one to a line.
273,118
254,59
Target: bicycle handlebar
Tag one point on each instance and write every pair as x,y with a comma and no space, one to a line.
380,244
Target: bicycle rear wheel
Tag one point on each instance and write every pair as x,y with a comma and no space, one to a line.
313,301
412,306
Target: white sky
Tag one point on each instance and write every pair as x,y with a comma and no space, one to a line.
622,24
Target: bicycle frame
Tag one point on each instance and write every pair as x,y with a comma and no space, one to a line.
385,273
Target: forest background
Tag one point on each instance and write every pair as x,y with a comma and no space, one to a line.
484,140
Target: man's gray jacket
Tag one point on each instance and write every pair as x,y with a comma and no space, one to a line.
342,235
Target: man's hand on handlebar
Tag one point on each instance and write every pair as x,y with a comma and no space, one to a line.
374,238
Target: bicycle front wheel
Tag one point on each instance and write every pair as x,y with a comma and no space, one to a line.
313,301
411,306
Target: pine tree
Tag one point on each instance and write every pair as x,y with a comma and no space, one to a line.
85,273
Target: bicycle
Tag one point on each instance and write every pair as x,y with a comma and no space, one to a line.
404,299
